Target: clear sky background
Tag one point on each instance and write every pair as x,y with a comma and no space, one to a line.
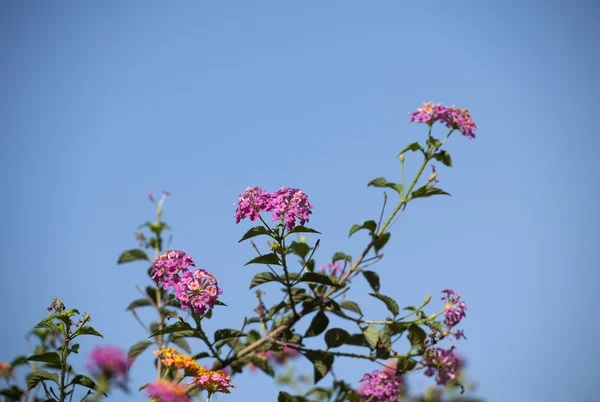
101,102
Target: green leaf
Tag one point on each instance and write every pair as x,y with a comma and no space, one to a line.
382,182
300,249
264,277
133,255
380,241
415,146
389,303
318,324
220,303
352,306
138,349
255,231
302,229
171,329
357,340
182,343
269,259
373,279
385,336
17,361
318,277
228,333
341,256
41,375
336,337
262,364
46,357
322,362
416,336
284,397
405,365
84,381
369,225
444,157
370,334
46,323
139,303
13,393
200,355
427,191
87,330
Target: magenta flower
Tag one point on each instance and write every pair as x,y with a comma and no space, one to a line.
110,362
455,308
166,268
197,289
453,118
287,205
333,269
445,362
380,386
166,391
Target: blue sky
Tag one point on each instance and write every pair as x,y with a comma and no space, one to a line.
102,102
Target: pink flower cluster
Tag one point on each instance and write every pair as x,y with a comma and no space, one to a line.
197,289
213,382
109,362
166,391
453,118
455,309
380,386
445,362
287,204
333,269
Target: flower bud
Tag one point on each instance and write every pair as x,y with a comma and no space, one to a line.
432,177
401,158
427,299
303,239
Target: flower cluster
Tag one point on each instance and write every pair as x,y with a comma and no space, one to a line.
445,362
453,118
333,269
166,391
287,204
455,308
173,359
213,381
380,386
197,289
109,362
275,357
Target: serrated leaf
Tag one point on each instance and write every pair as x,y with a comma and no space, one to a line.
133,255
228,333
352,306
357,340
371,336
138,349
341,256
415,146
46,357
318,324
382,182
381,241
369,225
46,323
139,303
84,381
416,336
318,277
390,303
444,157
373,279
336,337
264,277
182,343
427,191
41,375
300,249
171,329
87,330
17,361
322,362
269,259
255,231
302,229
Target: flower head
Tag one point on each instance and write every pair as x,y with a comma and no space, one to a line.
445,362
380,386
173,359
166,391
455,308
454,118
197,289
333,269
213,381
287,204
109,362
165,269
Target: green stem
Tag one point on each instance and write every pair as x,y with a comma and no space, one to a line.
288,285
